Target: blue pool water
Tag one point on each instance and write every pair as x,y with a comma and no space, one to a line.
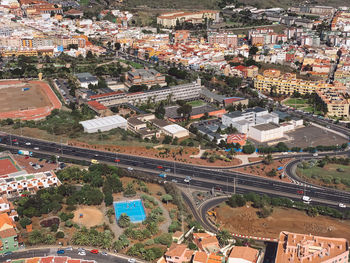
133,208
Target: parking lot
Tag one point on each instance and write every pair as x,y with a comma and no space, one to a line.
313,136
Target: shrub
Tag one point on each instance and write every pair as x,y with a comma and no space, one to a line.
60,234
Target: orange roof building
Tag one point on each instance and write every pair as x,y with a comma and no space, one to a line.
243,254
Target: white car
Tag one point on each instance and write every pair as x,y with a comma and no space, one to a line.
36,148
69,249
130,168
82,253
28,143
131,260
341,205
187,179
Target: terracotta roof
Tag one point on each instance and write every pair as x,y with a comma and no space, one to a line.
98,106
247,253
8,233
5,219
200,256
176,250
178,234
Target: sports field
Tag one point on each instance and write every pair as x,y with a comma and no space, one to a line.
36,102
7,166
133,208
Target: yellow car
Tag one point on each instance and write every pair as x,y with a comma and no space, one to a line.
93,161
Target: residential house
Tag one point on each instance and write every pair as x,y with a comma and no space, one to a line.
243,255
206,242
8,234
178,254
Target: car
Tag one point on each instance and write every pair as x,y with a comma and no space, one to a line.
81,249
28,143
130,169
116,160
14,140
131,260
341,205
300,192
27,157
216,188
187,179
82,253
30,163
174,181
61,251
104,253
160,167
315,154
94,251
93,161
16,143
8,253
36,148
69,249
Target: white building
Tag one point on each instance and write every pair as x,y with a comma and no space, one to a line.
266,132
85,79
175,131
243,121
104,124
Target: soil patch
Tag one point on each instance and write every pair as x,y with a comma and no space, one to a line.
245,221
91,216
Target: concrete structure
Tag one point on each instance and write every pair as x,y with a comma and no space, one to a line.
138,125
175,131
266,132
178,237
85,79
243,255
172,18
104,124
206,242
148,77
226,39
300,248
243,121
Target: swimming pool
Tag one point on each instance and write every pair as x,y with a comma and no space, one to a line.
133,208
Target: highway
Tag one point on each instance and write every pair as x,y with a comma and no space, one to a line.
201,176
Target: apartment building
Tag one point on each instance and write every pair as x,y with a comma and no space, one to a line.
300,248
227,39
8,234
336,102
170,19
148,77
288,84
14,184
243,121
180,92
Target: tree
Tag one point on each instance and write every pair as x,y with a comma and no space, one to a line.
268,159
25,221
265,212
223,237
253,50
236,201
272,173
166,198
248,149
124,221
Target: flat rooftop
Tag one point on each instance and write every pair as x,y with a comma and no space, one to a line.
267,126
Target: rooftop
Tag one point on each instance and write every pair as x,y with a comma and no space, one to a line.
266,126
102,122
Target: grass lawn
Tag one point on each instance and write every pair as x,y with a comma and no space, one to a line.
84,2
196,103
132,64
328,170
295,101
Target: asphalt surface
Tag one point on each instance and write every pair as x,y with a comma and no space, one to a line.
42,252
206,178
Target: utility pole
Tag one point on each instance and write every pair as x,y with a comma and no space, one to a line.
234,185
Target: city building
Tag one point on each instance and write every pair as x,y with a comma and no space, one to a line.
200,257
266,132
243,255
175,131
148,77
226,39
288,84
188,91
301,248
336,102
138,125
85,79
104,124
7,207
170,19
8,234
244,120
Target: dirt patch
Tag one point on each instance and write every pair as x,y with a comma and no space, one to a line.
91,216
254,159
173,154
244,221
262,169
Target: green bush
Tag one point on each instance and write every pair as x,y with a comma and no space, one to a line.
60,234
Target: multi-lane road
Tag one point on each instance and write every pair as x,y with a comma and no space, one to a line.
203,177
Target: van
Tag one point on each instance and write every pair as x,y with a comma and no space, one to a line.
306,199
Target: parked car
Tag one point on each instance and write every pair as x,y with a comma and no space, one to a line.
28,143
69,249
61,251
341,205
104,253
94,251
131,260
36,148
82,253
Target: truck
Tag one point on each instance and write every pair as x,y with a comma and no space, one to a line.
24,152
306,199
162,175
